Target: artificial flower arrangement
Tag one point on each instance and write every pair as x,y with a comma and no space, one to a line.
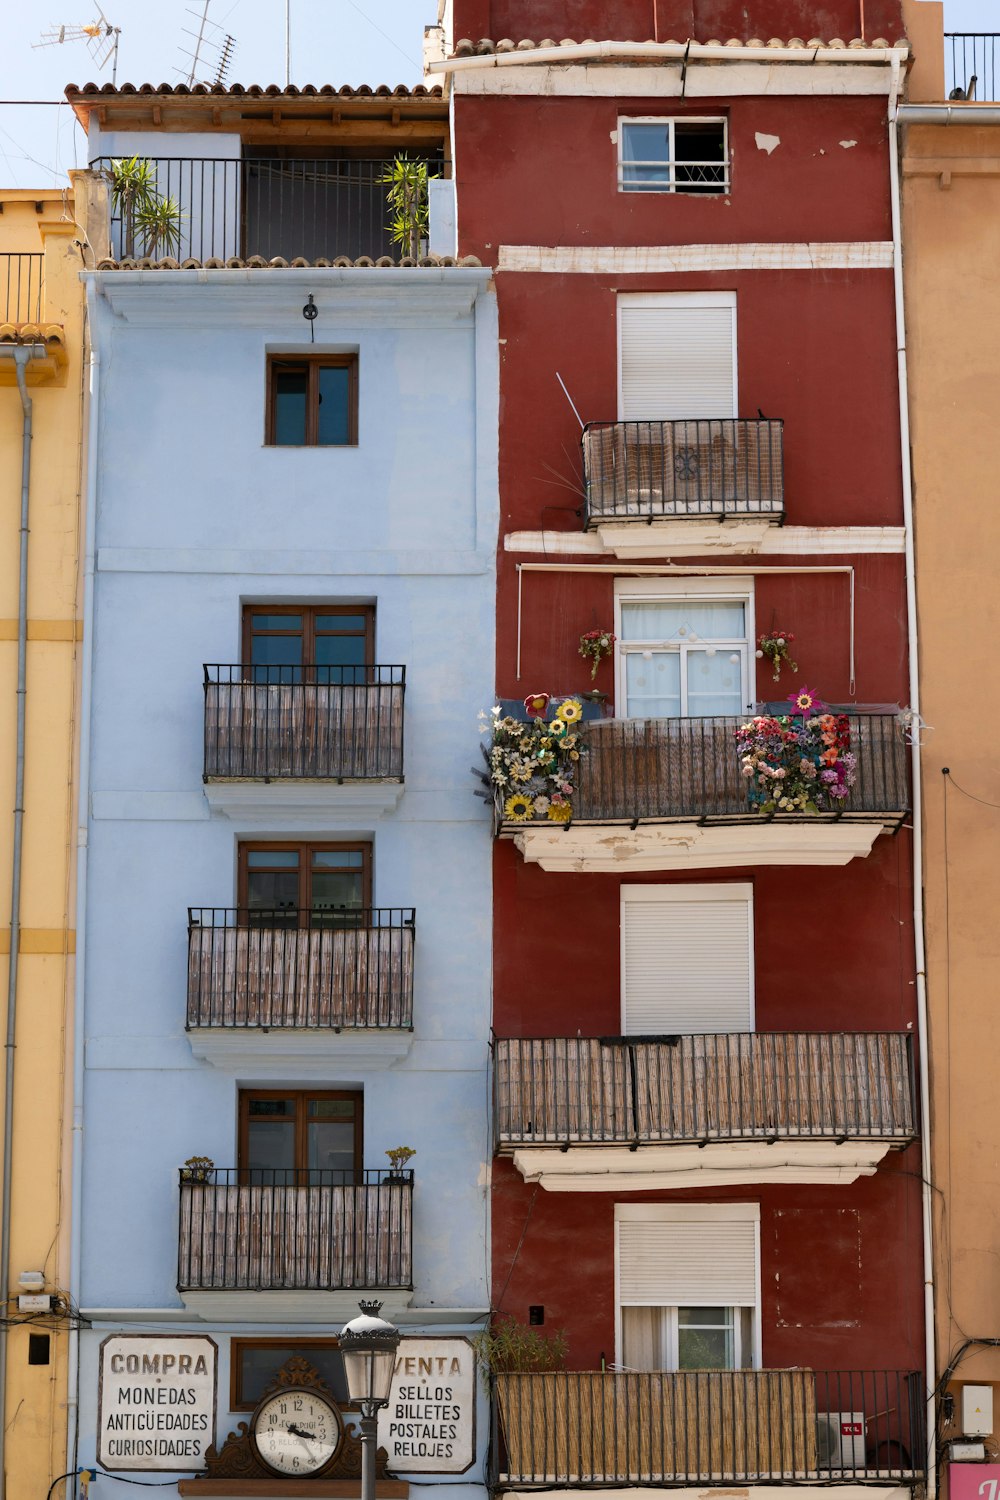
774,645
799,762
597,644
533,762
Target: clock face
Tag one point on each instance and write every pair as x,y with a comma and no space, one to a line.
297,1432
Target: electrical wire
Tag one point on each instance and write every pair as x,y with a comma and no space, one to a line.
946,773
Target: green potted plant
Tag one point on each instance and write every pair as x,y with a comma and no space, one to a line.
197,1169
149,220
398,1157
407,201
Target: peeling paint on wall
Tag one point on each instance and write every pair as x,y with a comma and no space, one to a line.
767,143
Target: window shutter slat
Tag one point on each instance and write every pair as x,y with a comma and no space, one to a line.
676,362
686,966
693,1264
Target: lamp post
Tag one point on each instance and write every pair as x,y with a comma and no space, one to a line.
368,1347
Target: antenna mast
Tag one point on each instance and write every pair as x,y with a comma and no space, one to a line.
208,37
101,37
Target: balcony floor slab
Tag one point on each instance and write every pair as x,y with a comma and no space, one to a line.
823,1486
685,536
220,1305
303,801
306,1051
582,848
605,1169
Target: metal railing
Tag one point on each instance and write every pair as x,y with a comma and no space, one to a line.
266,206
308,1230
763,1086
970,64
649,471
348,970
335,723
592,1427
663,770
21,287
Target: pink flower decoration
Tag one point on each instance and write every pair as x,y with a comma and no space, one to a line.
806,702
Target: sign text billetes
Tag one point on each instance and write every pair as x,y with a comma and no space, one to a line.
156,1404
429,1426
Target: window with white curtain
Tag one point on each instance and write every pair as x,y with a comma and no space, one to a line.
682,654
688,1285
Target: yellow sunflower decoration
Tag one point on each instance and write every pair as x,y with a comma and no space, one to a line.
559,812
519,808
571,712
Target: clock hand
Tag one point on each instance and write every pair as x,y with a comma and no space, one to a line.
299,1433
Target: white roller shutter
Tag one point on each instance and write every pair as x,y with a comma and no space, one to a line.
687,959
677,357
687,1263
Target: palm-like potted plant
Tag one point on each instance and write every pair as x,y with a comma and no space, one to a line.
149,220
406,198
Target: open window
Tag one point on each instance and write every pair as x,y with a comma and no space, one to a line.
686,154
688,1286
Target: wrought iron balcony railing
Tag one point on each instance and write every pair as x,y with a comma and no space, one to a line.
671,770
781,1426
304,723
288,1230
657,471
970,64
20,287
330,970
750,1086
263,206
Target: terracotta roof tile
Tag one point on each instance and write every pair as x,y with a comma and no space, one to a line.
252,91
485,46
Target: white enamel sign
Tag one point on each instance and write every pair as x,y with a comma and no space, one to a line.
156,1402
429,1426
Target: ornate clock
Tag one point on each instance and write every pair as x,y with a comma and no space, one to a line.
297,1431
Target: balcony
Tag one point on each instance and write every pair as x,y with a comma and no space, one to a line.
314,745
709,1427
261,987
669,794
22,318
283,1244
264,207
595,1114
970,65
682,487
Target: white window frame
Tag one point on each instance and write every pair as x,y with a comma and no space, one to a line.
721,590
671,122
721,1213
677,299
722,891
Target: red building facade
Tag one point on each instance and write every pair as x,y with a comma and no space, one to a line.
707,1170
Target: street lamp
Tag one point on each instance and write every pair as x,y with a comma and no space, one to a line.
368,1347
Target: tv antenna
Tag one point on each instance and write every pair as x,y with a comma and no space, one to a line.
208,38
101,37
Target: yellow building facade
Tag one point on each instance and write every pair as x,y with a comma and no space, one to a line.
41,324
951,240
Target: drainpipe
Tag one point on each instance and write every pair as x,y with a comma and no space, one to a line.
83,821
949,114
920,962
20,354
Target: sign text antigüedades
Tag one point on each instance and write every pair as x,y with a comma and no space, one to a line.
157,1402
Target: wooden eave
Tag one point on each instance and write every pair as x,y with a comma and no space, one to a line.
375,120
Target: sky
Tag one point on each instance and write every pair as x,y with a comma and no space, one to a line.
332,41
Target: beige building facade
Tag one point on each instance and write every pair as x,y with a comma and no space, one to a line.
950,168
41,339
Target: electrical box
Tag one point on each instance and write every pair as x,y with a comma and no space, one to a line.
35,1302
967,1453
977,1410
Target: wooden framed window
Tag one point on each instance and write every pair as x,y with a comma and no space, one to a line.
303,884
688,154
312,400
326,643
308,1137
688,1285
253,1364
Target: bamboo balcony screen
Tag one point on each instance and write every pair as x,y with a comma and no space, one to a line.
295,1233
707,1426
275,730
742,1086
658,770
648,471
242,973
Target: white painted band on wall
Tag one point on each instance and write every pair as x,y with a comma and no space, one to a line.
853,255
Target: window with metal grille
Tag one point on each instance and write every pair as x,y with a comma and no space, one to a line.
686,155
